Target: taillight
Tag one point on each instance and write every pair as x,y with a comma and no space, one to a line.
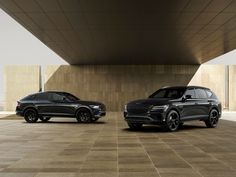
18,103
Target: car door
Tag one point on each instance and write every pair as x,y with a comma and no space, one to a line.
203,105
188,105
44,104
61,105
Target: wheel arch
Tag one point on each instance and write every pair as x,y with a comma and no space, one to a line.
85,108
214,107
28,108
174,109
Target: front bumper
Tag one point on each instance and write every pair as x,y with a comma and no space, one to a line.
99,113
156,117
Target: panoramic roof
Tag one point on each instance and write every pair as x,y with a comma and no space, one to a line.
130,31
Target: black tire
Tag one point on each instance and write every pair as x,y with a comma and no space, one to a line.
213,119
95,119
181,124
84,116
172,122
135,126
31,116
44,118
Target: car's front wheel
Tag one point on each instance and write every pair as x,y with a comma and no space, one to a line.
172,122
213,119
95,119
44,118
30,116
135,126
84,116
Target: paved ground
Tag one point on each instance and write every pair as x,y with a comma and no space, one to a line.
64,148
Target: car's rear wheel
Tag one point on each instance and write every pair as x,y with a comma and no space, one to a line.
31,116
135,126
44,118
213,119
84,116
172,121
181,124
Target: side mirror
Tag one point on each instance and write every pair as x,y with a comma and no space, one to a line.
64,99
186,97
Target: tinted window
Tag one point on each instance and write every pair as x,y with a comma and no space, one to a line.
160,94
201,93
70,97
190,92
210,94
173,93
56,97
30,97
42,96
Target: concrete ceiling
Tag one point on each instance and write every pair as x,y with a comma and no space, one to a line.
130,31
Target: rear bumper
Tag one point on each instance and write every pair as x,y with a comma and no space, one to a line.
19,113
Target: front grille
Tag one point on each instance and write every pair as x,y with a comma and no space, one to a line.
137,110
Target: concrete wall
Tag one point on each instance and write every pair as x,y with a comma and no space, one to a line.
213,77
232,87
19,81
116,85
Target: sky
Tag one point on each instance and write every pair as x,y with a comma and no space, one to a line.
19,47
226,59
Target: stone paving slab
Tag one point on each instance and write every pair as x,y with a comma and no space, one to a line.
63,147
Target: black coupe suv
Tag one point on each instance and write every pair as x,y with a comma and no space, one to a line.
170,107
45,105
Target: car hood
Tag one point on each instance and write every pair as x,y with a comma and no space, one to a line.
150,101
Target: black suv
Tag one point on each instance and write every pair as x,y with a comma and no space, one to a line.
45,105
172,106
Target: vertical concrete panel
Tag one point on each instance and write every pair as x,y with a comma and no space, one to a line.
19,82
232,87
116,85
213,77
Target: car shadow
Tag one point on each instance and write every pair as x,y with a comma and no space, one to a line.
155,129
68,122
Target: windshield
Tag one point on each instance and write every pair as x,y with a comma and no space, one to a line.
71,97
172,93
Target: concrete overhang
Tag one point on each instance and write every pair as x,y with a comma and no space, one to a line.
130,31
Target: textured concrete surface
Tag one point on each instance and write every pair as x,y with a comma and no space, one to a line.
65,148
213,77
116,85
232,87
19,81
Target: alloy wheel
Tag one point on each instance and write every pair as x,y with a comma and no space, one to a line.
31,116
172,122
84,116
214,118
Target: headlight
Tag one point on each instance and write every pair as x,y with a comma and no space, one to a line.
162,107
95,106
125,110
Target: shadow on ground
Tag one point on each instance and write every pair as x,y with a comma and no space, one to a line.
152,129
67,122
